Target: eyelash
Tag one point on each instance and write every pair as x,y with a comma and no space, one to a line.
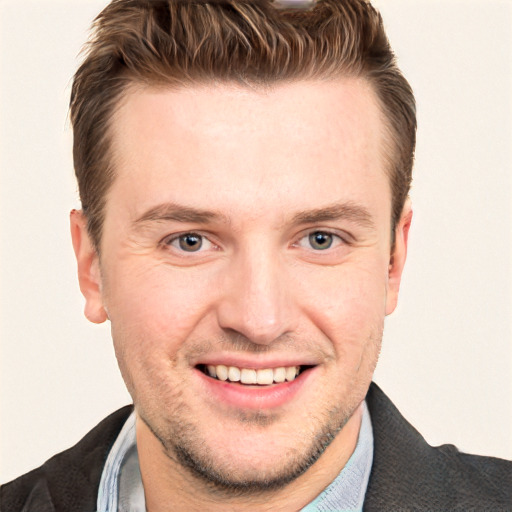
336,239
170,240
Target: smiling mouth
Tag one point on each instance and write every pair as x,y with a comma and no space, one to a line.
251,377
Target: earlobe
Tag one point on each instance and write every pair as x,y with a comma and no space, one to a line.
398,257
89,276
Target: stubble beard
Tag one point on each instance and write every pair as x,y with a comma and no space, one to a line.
183,443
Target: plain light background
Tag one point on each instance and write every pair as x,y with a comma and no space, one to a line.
447,352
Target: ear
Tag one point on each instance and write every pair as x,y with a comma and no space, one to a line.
398,257
88,263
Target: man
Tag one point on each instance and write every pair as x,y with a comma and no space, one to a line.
244,170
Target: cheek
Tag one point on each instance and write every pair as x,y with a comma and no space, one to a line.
349,307
156,309
152,315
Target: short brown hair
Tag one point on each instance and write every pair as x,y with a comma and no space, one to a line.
183,42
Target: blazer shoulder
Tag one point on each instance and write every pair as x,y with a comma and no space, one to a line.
409,474
70,479
478,475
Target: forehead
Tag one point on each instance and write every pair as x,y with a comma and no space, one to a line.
323,112
225,143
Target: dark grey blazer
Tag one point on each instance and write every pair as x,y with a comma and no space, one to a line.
407,473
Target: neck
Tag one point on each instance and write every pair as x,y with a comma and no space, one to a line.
169,486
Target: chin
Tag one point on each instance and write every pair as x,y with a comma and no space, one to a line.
239,458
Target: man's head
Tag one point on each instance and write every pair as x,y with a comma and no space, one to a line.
245,230
181,43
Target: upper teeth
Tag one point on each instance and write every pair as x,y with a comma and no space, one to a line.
249,376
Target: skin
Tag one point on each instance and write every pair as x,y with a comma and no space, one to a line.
274,166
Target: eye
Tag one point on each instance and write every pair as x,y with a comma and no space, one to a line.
189,242
320,240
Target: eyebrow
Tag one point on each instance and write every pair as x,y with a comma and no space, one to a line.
349,211
177,213
172,212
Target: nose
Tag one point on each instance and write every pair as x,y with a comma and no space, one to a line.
256,299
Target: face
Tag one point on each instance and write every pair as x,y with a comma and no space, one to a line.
246,269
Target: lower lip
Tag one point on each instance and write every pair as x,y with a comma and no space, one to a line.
254,397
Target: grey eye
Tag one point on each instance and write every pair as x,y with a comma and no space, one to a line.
320,240
190,242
